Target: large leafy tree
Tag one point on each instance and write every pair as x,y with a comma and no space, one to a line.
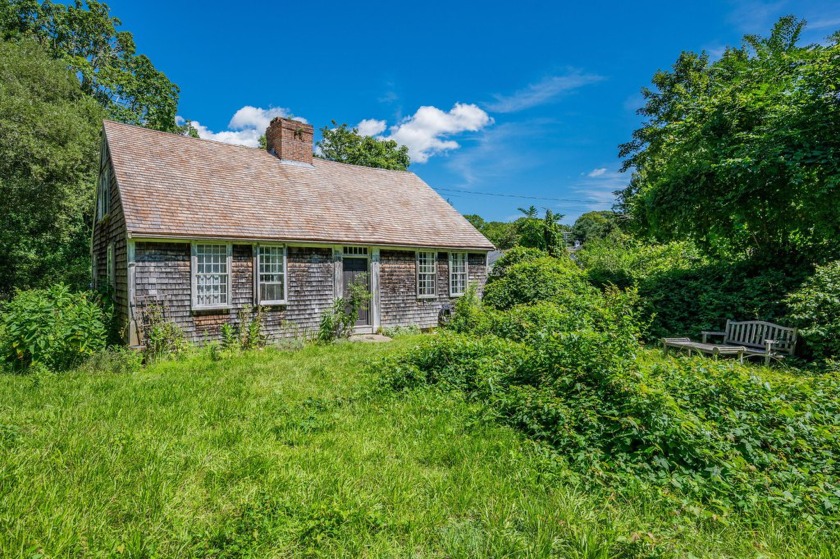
596,225
742,154
48,153
501,233
86,37
346,145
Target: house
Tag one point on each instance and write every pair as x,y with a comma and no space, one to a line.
206,229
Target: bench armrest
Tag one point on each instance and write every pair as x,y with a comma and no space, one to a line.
768,345
707,333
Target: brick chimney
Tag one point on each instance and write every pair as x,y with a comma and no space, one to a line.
289,140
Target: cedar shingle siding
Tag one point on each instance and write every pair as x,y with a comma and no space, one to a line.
162,275
168,192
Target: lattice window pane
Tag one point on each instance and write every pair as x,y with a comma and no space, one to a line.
457,273
426,274
212,278
272,273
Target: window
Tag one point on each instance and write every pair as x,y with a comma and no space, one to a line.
457,273
211,276
111,266
271,274
426,274
355,251
103,195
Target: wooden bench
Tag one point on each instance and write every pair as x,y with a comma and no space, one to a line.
762,339
752,338
714,350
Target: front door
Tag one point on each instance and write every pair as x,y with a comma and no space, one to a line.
356,269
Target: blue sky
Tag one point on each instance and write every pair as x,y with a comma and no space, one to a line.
526,101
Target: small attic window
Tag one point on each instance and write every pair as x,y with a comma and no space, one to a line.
103,195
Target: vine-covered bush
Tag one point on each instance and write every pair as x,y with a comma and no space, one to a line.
682,293
816,310
543,279
51,327
513,256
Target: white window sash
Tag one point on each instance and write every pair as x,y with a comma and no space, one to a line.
258,280
194,277
423,275
454,291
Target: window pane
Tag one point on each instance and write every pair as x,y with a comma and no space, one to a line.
271,273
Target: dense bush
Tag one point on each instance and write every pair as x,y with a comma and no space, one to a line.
816,310
707,437
51,327
513,256
542,279
682,293
710,437
623,261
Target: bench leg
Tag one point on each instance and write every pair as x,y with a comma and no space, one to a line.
767,360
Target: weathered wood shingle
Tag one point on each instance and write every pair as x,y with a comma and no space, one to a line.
176,186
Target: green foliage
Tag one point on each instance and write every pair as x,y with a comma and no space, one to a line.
339,321
502,234
247,333
51,327
711,439
346,145
593,226
742,154
161,336
544,279
815,308
49,133
683,293
117,359
84,36
513,256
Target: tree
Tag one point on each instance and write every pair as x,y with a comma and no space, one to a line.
529,228
346,145
49,132
595,225
501,233
85,37
742,155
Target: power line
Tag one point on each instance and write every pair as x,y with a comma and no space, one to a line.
522,196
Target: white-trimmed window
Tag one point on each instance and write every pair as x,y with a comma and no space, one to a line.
426,274
111,266
103,194
211,275
457,273
271,274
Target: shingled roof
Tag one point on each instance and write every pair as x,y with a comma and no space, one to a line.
173,186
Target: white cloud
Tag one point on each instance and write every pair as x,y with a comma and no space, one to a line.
371,127
541,92
427,132
245,127
598,188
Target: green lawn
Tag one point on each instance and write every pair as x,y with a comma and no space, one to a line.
288,454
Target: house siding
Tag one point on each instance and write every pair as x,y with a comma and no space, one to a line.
162,276
400,305
112,229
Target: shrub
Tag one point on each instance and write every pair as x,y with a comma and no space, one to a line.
51,327
815,308
469,315
513,256
338,321
623,261
161,336
543,279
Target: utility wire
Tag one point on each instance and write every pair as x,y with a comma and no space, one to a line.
522,196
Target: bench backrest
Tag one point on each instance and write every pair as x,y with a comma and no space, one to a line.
753,333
